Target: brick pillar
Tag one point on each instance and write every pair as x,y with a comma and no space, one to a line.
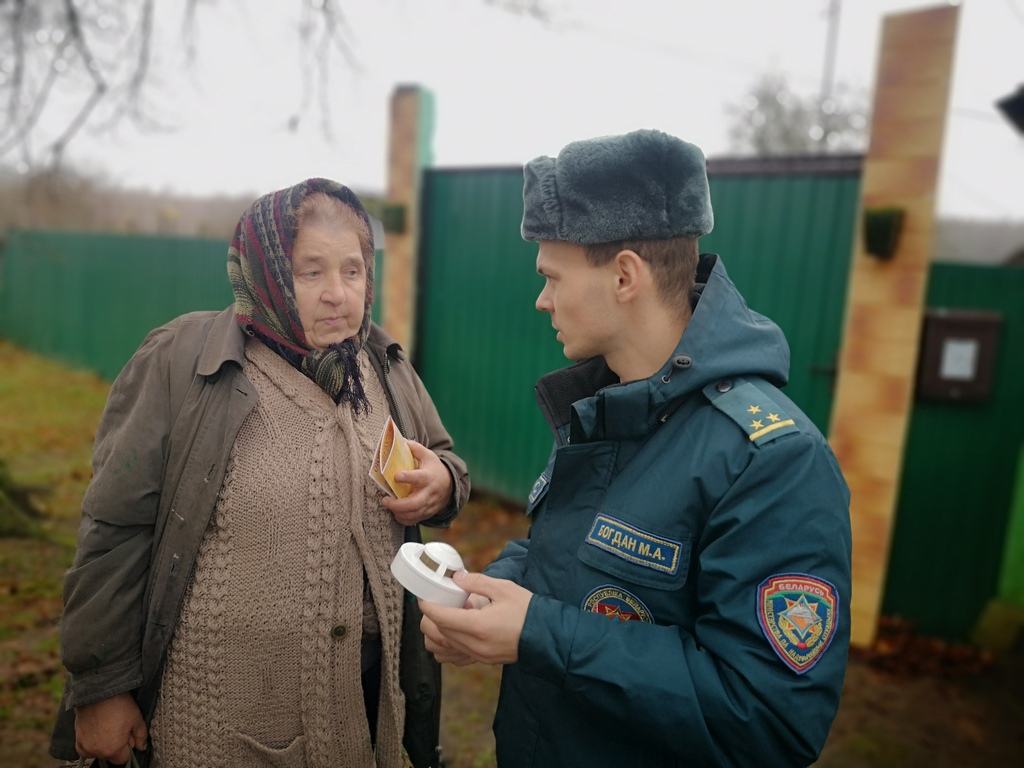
409,152
885,300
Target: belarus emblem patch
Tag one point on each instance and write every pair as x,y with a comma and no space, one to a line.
797,614
617,604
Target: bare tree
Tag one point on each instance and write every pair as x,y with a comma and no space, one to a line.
97,52
774,120
98,55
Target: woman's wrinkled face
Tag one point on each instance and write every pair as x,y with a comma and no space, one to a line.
330,283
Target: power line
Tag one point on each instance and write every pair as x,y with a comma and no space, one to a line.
975,114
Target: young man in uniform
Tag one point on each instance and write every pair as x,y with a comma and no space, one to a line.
684,594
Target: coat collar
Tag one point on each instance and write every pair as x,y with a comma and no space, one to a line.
225,342
724,338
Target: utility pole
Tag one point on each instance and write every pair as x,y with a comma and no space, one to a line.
828,72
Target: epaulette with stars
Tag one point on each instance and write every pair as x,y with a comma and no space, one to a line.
755,412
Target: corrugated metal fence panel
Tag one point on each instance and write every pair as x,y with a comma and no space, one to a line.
481,345
1011,575
959,471
783,228
90,299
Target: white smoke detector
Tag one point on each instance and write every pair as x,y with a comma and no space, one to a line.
426,570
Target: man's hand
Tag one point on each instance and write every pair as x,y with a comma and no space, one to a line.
489,635
437,645
110,729
432,487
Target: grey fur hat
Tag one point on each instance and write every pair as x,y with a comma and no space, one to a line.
644,185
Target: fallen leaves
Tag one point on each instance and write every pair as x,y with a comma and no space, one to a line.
900,650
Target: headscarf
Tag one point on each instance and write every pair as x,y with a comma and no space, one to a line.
260,271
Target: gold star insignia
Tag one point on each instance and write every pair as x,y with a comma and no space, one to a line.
754,409
756,424
773,417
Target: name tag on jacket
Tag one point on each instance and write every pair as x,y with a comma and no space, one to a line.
635,545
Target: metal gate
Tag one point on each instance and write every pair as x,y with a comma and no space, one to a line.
783,227
959,471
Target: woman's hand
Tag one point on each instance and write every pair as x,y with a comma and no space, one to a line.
432,488
110,729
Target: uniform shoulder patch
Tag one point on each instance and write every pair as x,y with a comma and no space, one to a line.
752,409
538,488
797,614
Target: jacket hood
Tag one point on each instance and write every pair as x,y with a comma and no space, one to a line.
724,339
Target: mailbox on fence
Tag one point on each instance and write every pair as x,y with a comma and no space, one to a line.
958,355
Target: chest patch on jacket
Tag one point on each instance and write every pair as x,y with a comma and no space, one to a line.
635,545
757,414
617,604
797,614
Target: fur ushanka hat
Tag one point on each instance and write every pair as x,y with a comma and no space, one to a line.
644,185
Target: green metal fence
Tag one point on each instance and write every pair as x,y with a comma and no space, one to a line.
959,470
90,299
783,227
785,230
1011,577
480,344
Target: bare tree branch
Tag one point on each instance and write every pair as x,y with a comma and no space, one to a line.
24,128
534,8
323,27
774,120
103,53
99,88
188,31
18,61
128,96
324,79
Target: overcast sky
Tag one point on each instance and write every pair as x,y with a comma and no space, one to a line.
509,87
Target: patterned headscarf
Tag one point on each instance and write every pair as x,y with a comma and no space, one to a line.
260,271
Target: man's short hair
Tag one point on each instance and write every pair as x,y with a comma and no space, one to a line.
673,265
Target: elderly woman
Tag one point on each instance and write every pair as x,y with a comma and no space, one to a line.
230,602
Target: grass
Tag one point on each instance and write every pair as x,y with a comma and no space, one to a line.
48,419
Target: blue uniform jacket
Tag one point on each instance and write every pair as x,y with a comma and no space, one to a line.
689,556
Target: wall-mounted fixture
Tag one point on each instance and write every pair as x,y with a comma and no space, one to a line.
1012,107
882,228
958,355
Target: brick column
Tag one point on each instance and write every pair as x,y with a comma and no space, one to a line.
409,152
885,301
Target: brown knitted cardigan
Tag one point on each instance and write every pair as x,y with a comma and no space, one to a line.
264,668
